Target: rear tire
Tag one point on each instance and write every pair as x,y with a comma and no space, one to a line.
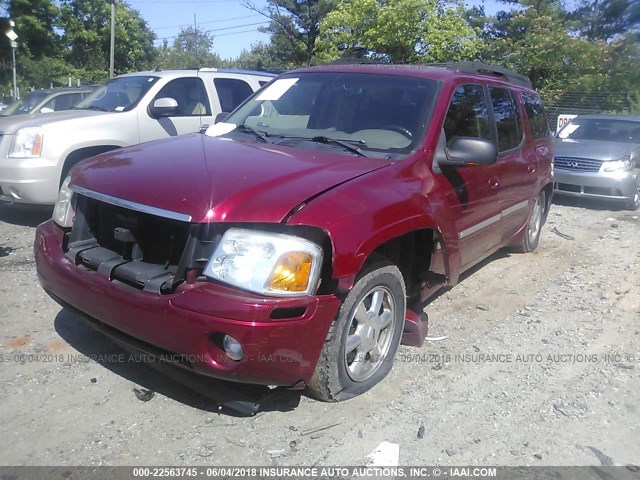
533,228
364,337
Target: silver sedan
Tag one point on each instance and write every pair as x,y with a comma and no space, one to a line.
599,156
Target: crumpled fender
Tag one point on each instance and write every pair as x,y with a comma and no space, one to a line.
367,212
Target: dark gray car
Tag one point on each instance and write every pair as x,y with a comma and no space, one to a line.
47,101
599,156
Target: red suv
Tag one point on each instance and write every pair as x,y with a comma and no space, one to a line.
295,242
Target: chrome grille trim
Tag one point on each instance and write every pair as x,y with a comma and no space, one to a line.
577,164
138,207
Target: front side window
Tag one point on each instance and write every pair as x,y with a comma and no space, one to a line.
380,115
118,95
468,114
507,116
190,94
537,117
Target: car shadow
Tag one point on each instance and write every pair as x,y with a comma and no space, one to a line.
25,215
589,203
94,345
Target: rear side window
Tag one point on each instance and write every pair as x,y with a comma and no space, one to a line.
508,124
468,114
537,117
231,92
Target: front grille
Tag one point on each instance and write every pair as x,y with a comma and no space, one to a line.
575,164
148,252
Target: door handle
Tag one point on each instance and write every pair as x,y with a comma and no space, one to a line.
531,168
494,182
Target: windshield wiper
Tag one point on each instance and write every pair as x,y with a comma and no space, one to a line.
346,144
262,136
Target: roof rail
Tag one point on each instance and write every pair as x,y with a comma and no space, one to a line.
237,70
479,67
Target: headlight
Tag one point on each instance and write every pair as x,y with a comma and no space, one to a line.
267,263
64,211
27,143
622,165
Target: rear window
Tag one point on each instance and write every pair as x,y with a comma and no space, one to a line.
537,117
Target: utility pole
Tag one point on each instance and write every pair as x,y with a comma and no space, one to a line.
113,37
195,34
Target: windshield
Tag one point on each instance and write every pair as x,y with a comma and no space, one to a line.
118,95
379,114
25,104
603,129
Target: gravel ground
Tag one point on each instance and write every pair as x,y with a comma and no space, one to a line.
540,366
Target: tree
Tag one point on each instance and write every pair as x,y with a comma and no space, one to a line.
403,31
536,43
87,33
259,57
606,19
294,27
35,23
190,49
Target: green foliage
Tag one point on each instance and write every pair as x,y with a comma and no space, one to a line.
403,31
536,43
35,22
259,57
294,27
190,49
604,19
87,34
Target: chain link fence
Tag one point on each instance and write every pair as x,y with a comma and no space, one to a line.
575,103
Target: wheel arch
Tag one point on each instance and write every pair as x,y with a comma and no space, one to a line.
76,156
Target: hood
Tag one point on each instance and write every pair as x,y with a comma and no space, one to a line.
217,179
595,149
11,124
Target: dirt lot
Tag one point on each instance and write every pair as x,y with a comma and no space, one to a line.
540,366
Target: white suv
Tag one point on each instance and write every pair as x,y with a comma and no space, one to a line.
37,153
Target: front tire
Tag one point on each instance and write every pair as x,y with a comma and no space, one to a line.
364,338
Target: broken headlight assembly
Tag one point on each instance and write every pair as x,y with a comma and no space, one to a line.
64,210
266,263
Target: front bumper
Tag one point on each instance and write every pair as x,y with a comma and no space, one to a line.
184,326
613,185
29,180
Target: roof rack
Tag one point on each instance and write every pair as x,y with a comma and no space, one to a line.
479,67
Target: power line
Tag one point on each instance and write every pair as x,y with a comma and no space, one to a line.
218,30
206,23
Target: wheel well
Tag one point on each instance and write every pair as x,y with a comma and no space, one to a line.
411,253
82,154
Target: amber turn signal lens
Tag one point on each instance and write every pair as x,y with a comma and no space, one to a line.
291,273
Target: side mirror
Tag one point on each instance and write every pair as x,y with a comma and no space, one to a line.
163,107
221,117
469,151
